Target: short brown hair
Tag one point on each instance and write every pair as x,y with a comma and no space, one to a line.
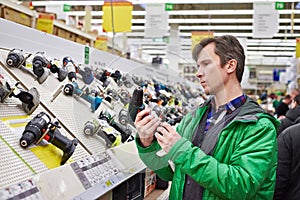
227,48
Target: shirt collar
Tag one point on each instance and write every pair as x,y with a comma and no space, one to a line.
232,105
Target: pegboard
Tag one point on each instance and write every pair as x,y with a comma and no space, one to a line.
72,112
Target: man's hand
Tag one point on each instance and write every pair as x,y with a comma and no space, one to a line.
146,125
166,136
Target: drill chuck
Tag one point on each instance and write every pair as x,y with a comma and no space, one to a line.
123,117
91,127
15,58
35,129
27,139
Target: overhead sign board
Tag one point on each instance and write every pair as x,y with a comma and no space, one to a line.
265,20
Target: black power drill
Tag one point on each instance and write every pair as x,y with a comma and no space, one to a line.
41,127
136,104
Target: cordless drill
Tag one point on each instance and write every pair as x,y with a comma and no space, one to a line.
30,100
15,58
100,127
41,127
40,65
103,130
125,132
61,72
136,103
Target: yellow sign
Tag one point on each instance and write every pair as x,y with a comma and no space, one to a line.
297,47
121,20
45,23
101,43
197,36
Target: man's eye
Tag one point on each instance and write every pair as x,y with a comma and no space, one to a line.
205,63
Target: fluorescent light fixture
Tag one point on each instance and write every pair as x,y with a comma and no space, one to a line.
273,48
216,12
137,2
83,13
287,45
73,3
96,21
188,34
154,52
184,21
162,48
231,27
270,53
271,40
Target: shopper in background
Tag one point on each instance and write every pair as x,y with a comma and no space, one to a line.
276,100
294,92
226,148
288,169
283,107
292,116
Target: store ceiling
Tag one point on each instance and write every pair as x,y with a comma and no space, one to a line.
227,17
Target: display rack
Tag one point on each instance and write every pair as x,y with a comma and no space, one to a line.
94,170
23,166
26,174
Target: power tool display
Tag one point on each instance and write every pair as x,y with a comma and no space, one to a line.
87,75
16,58
60,71
103,130
42,128
30,100
123,116
71,68
40,66
112,132
160,109
73,88
124,96
136,104
102,75
126,81
125,132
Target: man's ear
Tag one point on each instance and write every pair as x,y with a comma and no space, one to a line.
231,65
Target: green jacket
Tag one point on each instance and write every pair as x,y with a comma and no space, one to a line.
243,163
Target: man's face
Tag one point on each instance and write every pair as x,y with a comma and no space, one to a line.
209,72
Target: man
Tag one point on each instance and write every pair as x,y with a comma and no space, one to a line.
292,116
288,170
226,148
283,107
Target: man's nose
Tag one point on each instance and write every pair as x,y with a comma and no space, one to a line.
199,73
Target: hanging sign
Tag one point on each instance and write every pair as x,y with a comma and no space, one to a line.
117,16
156,20
265,23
